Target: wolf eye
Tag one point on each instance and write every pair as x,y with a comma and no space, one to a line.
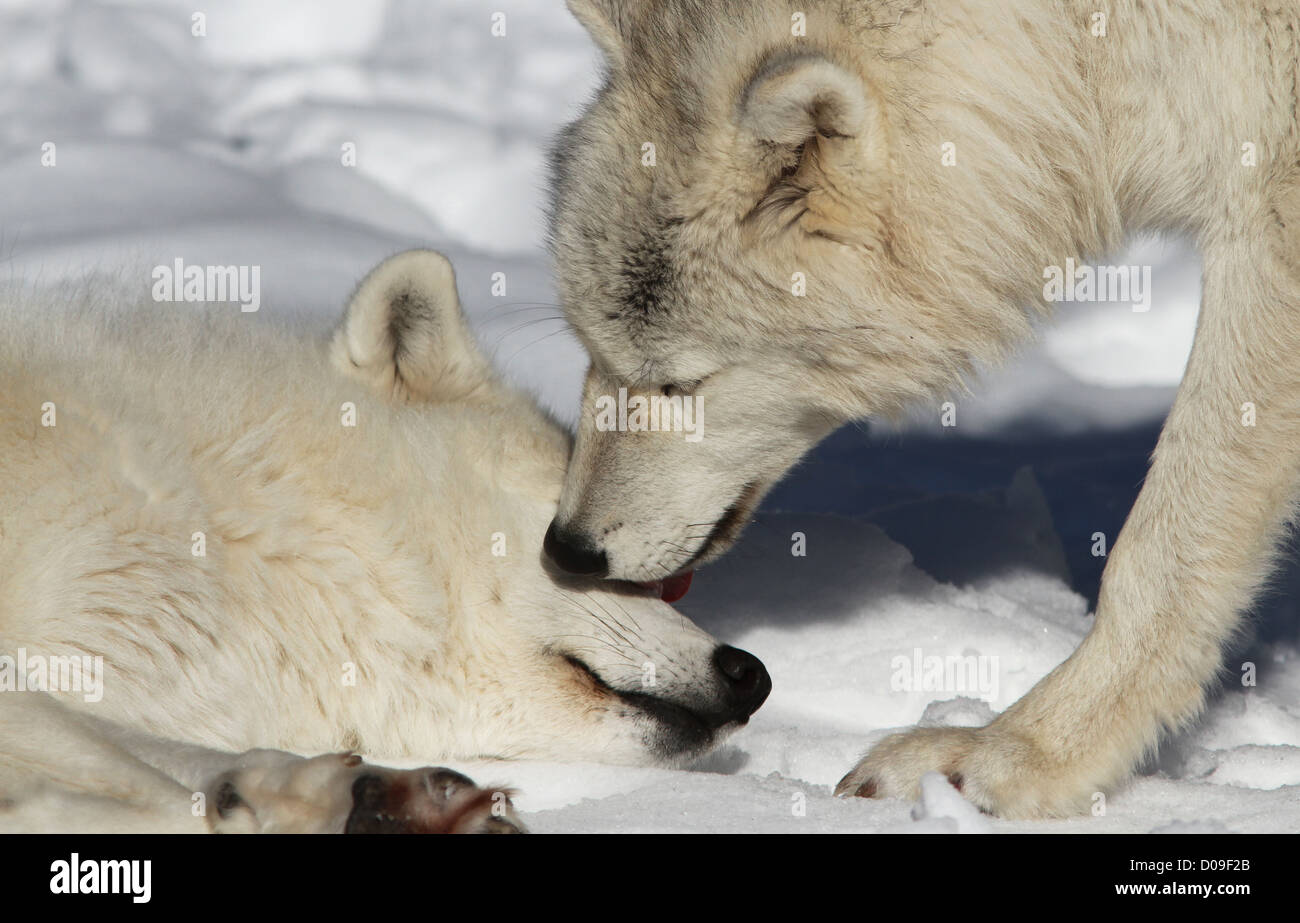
684,388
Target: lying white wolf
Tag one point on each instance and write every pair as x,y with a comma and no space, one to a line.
217,536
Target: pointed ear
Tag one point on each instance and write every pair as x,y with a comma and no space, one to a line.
607,21
794,96
403,332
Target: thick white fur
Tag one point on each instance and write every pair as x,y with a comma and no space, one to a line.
1065,140
332,551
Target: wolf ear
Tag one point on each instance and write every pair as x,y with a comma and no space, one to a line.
794,96
403,332
608,23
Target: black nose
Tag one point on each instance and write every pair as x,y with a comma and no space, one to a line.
574,554
746,680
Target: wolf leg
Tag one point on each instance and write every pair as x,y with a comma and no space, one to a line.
64,772
1197,545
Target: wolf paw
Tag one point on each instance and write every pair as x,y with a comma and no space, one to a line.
338,793
1000,772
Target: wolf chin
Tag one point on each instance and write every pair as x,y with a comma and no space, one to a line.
272,540
814,212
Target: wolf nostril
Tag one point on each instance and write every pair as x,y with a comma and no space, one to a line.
741,667
747,680
574,555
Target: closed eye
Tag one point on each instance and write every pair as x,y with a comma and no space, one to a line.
683,388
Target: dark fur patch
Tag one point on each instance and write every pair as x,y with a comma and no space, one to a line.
407,310
228,799
560,171
648,274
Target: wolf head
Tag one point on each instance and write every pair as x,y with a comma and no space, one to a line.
789,216
542,664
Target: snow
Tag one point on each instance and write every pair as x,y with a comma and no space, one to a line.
942,809
1099,345
969,545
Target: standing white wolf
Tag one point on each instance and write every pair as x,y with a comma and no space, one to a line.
808,212
250,538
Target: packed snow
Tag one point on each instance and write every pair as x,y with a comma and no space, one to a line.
314,137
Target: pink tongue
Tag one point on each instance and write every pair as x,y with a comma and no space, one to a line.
674,588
